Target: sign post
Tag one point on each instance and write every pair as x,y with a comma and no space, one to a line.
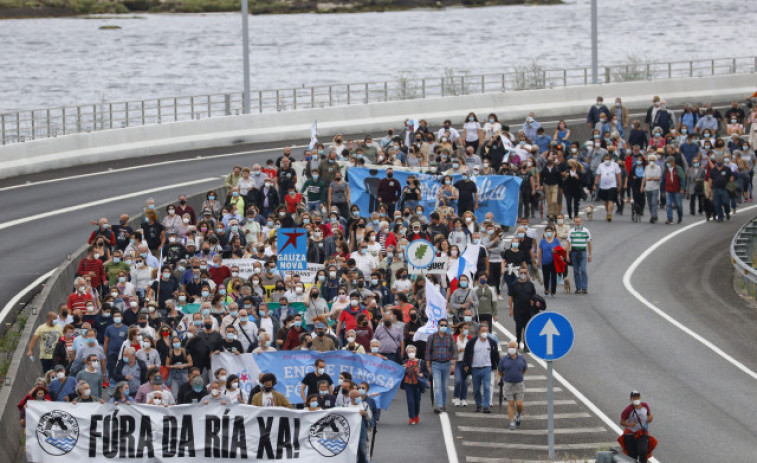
550,336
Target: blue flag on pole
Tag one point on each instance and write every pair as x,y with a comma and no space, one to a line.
497,194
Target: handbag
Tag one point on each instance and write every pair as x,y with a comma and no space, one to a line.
731,187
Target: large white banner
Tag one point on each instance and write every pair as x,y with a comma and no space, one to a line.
246,269
188,433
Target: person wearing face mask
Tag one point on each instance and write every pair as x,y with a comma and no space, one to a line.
268,396
520,305
92,265
414,382
463,334
463,298
164,288
607,181
674,185
266,198
467,194
636,441
481,356
389,191
547,246
719,178
511,369
596,111
441,357
316,381
695,179
321,342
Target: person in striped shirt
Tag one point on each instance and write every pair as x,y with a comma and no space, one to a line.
579,253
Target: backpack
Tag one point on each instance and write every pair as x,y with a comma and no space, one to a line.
539,304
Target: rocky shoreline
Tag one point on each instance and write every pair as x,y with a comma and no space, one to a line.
18,9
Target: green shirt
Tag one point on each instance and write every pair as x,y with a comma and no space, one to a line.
579,238
314,190
112,269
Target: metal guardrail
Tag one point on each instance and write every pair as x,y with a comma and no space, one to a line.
29,125
742,251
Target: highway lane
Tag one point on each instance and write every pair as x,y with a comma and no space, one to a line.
703,405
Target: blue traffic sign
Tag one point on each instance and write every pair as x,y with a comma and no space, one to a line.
549,335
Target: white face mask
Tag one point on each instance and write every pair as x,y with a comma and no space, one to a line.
637,402
511,351
215,392
411,355
351,339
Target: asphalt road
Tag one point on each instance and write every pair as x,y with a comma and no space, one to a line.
703,405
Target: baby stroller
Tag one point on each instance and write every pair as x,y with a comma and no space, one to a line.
636,211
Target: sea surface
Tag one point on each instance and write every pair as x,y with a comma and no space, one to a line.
66,61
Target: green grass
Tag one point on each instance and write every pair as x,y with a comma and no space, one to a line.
9,342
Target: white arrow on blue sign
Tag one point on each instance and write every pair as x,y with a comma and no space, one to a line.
549,335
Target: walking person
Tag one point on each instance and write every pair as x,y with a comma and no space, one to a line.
719,178
511,369
608,182
546,246
636,418
674,184
579,254
519,303
572,185
695,176
650,185
440,361
462,337
415,376
481,357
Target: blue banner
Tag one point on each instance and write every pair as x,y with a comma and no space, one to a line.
497,194
293,249
290,367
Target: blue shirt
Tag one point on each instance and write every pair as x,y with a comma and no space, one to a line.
116,336
59,391
543,143
512,368
689,150
546,250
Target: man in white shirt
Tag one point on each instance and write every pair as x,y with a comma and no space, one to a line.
365,262
248,331
607,180
650,185
448,132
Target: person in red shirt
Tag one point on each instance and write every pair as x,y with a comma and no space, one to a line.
270,169
292,200
348,318
79,298
93,264
184,208
293,336
103,229
218,271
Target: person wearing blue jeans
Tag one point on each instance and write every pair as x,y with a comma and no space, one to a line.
721,201
719,178
414,374
460,394
579,247
674,184
650,185
481,355
441,356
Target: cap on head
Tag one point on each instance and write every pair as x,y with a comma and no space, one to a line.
635,393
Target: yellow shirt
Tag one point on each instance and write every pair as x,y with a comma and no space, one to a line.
48,337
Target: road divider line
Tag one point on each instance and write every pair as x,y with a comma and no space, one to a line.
144,166
627,283
64,210
14,300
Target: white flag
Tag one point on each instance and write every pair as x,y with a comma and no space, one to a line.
313,134
436,309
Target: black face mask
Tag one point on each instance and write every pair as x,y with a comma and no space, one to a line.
208,326
321,333
387,323
182,201
267,388
345,391
389,175
360,284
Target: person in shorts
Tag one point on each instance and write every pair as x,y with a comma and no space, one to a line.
511,369
608,182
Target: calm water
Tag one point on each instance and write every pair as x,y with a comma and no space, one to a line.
65,61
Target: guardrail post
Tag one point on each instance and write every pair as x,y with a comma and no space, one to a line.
78,118
33,125
564,77
367,95
331,101
312,97
48,123
348,94
755,64
142,110
127,114
94,117
423,86
386,90
63,112
294,97
260,101
192,106
691,68
670,70
462,85
733,70
160,113
712,67
18,127
503,81
483,84
175,109
210,106
2,126
442,86
278,104
586,76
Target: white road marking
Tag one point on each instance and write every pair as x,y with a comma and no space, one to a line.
14,300
44,215
143,166
627,283
544,447
509,460
558,416
532,432
449,441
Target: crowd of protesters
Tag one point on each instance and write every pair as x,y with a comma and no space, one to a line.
123,336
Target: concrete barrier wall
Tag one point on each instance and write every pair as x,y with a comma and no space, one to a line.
23,372
109,145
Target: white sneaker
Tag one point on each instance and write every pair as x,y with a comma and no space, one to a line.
513,425
463,403
500,298
456,402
